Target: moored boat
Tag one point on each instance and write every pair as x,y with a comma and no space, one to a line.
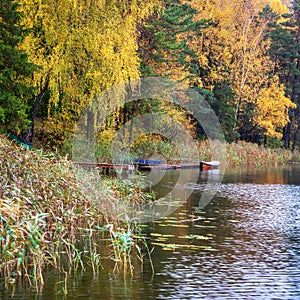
209,165
148,162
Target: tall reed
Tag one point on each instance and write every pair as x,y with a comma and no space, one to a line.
52,215
248,154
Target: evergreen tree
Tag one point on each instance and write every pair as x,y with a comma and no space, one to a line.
224,108
164,42
285,53
15,70
165,50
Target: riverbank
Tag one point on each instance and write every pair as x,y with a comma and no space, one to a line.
52,214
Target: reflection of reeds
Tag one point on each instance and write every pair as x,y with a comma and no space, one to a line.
48,218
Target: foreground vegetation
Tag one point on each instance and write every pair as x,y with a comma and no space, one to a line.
48,216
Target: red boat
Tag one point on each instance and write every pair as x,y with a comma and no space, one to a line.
209,165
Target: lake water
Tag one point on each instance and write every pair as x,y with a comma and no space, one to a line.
244,244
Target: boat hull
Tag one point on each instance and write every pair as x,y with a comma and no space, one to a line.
209,165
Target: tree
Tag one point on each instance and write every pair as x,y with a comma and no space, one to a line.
164,41
272,109
295,76
15,70
251,66
233,60
80,48
285,53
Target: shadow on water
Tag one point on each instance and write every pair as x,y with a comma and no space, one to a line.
245,244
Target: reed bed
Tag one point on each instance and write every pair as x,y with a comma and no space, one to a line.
243,154
52,215
248,154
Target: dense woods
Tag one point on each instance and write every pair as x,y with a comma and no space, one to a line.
243,56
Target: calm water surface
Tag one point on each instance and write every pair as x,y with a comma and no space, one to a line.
245,244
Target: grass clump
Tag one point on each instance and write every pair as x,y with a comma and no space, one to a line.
49,215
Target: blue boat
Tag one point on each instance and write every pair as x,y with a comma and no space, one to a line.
148,161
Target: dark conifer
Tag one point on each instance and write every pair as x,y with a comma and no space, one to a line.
15,70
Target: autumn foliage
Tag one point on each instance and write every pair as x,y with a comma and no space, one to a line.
242,56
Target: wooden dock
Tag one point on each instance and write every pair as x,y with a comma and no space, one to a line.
105,167
149,167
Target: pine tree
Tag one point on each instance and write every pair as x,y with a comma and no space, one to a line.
164,42
15,70
285,53
165,48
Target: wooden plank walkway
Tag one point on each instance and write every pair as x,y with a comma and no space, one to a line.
104,165
143,167
139,166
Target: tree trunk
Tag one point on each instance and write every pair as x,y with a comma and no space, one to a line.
295,139
296,93
287,135
27,135
297,131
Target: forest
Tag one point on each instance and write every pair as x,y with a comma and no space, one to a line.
242,56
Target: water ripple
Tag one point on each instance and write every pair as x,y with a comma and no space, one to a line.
255,230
